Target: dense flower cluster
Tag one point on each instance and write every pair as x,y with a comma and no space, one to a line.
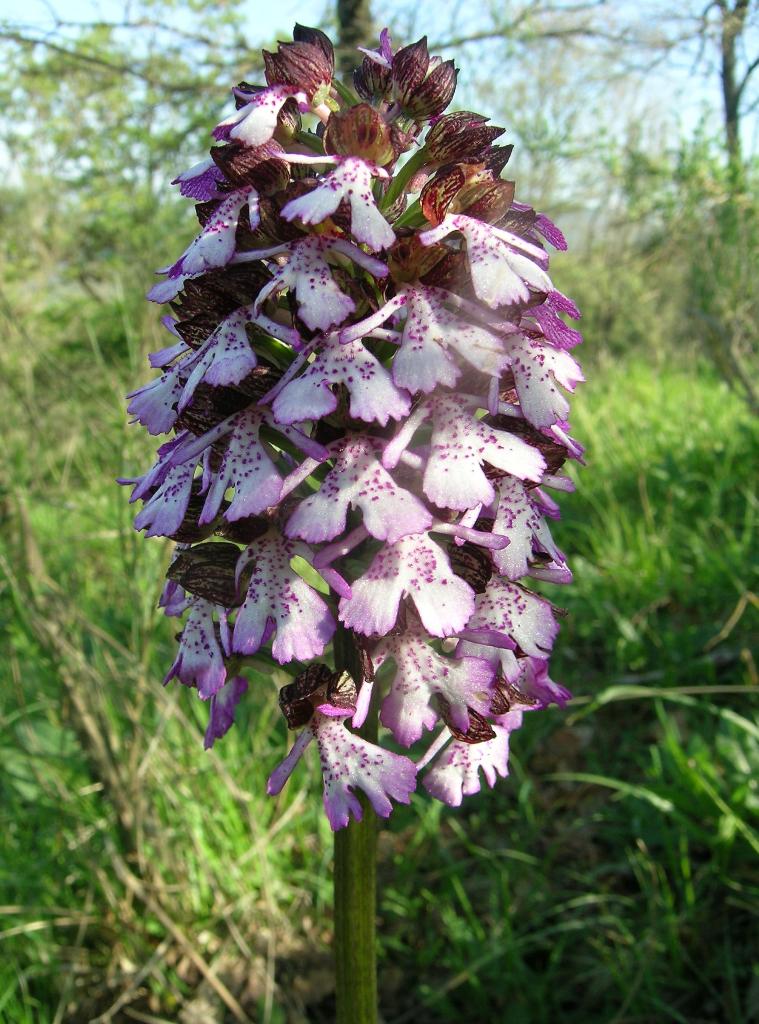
365,401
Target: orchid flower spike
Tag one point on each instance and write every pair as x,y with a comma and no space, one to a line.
364,404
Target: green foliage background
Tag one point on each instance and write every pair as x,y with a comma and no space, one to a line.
613,876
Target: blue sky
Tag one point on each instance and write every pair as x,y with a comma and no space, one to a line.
265,18
674,95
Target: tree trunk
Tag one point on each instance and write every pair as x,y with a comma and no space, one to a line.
355,28
733,22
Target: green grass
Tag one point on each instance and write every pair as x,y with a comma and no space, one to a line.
612,878
664,518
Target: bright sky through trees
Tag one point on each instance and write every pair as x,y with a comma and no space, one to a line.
674,85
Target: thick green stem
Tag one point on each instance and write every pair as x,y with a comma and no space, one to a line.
356,885
403,177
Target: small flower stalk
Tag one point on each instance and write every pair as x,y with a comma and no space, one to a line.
363,416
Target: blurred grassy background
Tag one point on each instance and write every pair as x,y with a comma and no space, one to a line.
612,878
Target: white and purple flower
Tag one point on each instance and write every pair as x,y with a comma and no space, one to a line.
351,181
363,415
214,247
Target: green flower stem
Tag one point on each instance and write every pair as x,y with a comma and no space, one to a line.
345,93
355,883
311,140
403,177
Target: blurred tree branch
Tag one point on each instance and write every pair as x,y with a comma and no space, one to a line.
540,21
79,56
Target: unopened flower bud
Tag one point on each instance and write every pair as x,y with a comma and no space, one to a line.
410,67
478,731
372,81
261,166
307,63
208,571
439,192
489,201
459,136
433,95
496,158
409,260
295,698
360,131
315,37
472,564
466,188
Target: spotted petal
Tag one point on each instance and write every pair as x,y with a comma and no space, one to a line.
520,518
435,341
546,227
154,404
321,304
350,762
163,512
460,445
553,327
148,482
501,273
248,468
517,615
373,396
537,368
534,681
225,358
420,674
255,123
279,602
174,599
413,566
501,659
215,245
199,661
351,181
455,773
200,182
165,356
165,291
359,479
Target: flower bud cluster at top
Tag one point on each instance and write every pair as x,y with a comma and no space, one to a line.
364,393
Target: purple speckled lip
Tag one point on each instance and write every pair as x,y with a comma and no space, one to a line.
363,401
